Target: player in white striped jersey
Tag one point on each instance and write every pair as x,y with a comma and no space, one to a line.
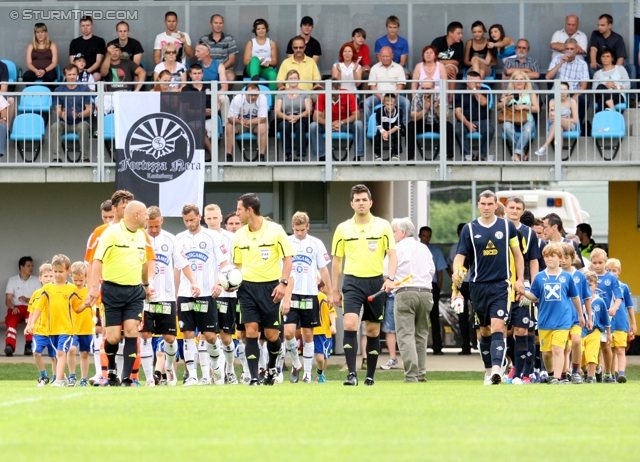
202,248
310,258
159,316
226,302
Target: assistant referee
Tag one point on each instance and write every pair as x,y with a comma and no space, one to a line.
258,249
362,241
120,261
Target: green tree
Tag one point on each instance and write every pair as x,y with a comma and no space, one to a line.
445,217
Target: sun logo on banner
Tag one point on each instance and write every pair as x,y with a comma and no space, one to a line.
159,147
157,136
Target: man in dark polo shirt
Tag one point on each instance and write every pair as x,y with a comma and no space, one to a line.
91,46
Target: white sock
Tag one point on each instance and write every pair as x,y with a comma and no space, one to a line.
228,351
222,360
170,351
214,354
280,358
243,357
307,354
190,357
204,360
292,349
97,344
146,357
264,355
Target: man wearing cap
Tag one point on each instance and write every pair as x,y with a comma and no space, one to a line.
312,46
91,46
116,69
131,48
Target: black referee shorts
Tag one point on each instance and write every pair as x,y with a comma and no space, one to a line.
490,301
355,291
122,303
256,304
198,313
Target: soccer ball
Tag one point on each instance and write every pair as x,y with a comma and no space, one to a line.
230,277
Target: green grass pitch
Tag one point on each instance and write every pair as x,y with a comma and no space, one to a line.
452,417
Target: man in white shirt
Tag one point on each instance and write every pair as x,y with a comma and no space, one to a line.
226,302
202,249
386,77
570,30
311,257
19,290
159,316
181,40
413,301
248,113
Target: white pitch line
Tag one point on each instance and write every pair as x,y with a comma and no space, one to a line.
19,401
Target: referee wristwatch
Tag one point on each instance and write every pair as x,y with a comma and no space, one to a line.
391,278
284,281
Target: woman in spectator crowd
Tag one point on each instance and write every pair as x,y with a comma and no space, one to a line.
261,54
477,54
42,57
503,45
164,82
176,69
293,111
519,98
347,68
568,110
611,80
429,71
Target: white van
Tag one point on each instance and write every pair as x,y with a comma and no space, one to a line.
541,202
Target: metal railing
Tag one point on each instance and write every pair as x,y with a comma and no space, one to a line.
37,138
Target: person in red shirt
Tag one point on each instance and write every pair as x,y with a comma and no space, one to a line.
344,118
363,55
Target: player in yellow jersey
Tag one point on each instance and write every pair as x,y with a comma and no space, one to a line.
56,302
41,329
322,335
83,326
259,247
362,241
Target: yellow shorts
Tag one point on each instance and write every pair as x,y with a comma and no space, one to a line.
619,339
550,338
575,330
591,347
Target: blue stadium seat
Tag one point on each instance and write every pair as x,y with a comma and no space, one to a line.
572,136
28,128
73,138
608,126
13,70
36,104
429,136
109,133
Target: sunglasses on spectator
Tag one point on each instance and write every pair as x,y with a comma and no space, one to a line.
170,52
298,48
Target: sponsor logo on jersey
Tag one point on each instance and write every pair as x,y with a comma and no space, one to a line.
327,257
194,255
552,292
163,259
373,246
223,249
302,259
490,249
264,253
